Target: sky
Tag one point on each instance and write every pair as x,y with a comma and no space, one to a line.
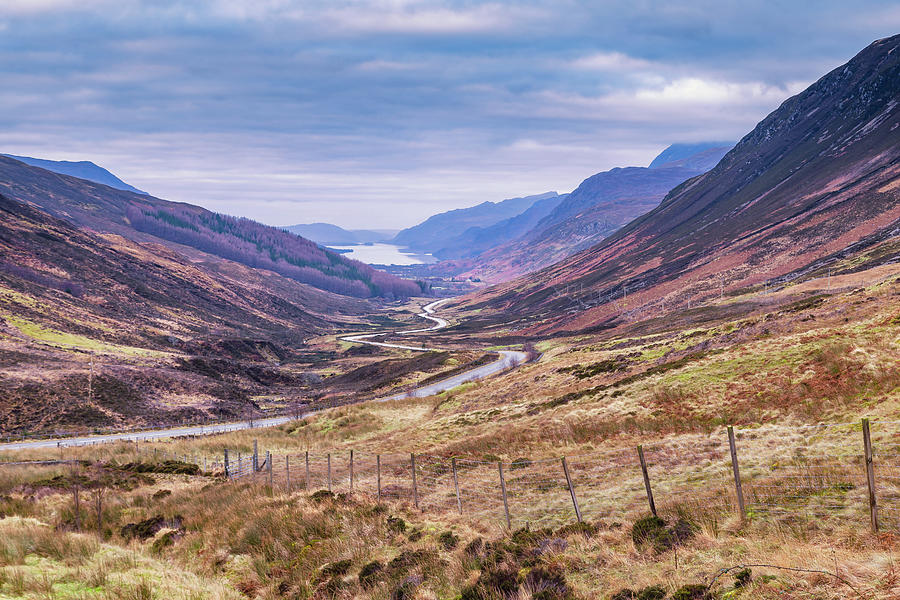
379,113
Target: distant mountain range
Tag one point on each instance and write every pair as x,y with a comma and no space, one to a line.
599,206
82,169
437,231
816,184
327,234
142,217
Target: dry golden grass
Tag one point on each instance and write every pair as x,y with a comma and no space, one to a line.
776,376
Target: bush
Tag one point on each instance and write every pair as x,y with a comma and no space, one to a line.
396,524
653,592
692,591
448,540
520,463
647,529
652,531
336,569
160,494
742,578
369,574
146,529
321,496
584,528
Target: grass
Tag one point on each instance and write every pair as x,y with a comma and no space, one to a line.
776,375
61,339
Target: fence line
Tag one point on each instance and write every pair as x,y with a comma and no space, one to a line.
849,472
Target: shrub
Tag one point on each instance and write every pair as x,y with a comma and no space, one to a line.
448,540
742,578
407,589
396,524
584,528
321,496
160,494
335,569
647,529
692,591
369,574
652,531
164,541
520,463
474,547
653,592
149,527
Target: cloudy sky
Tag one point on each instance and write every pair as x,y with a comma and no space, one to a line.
378,113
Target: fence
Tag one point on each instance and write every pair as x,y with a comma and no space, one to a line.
846,473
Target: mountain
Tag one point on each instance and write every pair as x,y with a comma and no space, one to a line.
599,206
677,154
814,186
327,234
432,234
156,336
145,218
82,169
476,240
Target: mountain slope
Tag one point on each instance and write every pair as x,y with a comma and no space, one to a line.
600,205
679,154
145,218
101,330
431,235
819,175
476,240
82,169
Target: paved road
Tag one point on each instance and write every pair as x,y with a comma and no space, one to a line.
507,360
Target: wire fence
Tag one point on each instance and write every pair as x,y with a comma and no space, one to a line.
839,473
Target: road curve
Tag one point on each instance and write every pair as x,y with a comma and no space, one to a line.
508,359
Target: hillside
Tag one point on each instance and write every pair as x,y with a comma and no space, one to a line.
137,316
814,187
475,240
599,206
432,234
145,218
82,169
788,379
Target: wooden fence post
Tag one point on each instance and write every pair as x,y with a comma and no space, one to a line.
255,456
456,485
329,472
739,490
269,460
503,490
351,471
378,474
307,470
412,460
227,466
565,467
99,499
640,450
287,471
870,475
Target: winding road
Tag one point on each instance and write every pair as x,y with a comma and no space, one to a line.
508,359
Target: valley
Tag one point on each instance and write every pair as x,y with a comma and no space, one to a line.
676,382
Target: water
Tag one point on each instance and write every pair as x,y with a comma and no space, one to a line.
385,254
